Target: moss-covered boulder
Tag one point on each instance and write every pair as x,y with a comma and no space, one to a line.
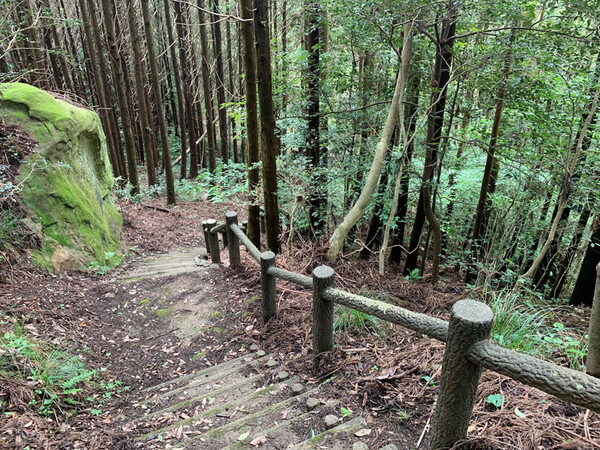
66,183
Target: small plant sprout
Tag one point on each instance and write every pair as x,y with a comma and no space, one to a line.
345,412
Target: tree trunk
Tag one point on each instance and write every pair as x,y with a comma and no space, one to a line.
162,122
210,123
440,80
248,55
101,91
593,356
222,110
236,158
183,40
402,205
268,141
336,241
317,199
490,172
583,292
142,93
120,81
178,88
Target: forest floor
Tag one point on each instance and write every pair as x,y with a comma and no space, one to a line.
130,331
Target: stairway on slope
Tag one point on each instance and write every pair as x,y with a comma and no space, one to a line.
247,402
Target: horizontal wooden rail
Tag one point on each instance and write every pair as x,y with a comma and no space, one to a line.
301,280
421,323
466,336
247,242
568,384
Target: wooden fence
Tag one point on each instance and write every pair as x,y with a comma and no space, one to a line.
468,350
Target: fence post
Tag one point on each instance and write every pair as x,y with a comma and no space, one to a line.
470,322
206,240
233,243
323,277
213,242
269,286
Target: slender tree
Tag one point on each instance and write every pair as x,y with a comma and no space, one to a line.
141,92
178,88
183,39
317,198
120,82
220,85
210,127
268,141
253,158
162,122
440,80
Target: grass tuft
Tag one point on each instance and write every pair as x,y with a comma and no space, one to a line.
348,320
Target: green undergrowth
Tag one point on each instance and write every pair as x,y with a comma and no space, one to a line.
350,320
527,324
47,378
54,379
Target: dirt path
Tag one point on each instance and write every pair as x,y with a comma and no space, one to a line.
168,313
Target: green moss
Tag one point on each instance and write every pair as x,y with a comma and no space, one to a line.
162,313
198,355
67,182
217,315
145,301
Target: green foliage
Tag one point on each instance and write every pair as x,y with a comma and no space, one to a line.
564,346
57,378
350,320
227,181
103,268
517,322
413,275
521,323
496,399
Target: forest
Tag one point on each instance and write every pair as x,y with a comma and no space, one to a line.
449,144
437,137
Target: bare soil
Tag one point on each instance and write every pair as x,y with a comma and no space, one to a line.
131,331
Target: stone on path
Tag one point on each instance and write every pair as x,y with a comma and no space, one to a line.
312,403
283,375
297,388
360,446
331,421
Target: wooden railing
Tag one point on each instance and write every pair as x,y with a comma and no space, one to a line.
468,350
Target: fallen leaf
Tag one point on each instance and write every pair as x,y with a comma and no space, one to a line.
471,429
363,432
243,436
258,441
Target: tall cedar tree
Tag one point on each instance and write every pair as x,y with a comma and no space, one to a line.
162,122
178,88
249,57
317,199
268,141
440,79
120,81
210,123
220,79
141,92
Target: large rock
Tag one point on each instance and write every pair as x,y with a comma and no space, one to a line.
66,183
